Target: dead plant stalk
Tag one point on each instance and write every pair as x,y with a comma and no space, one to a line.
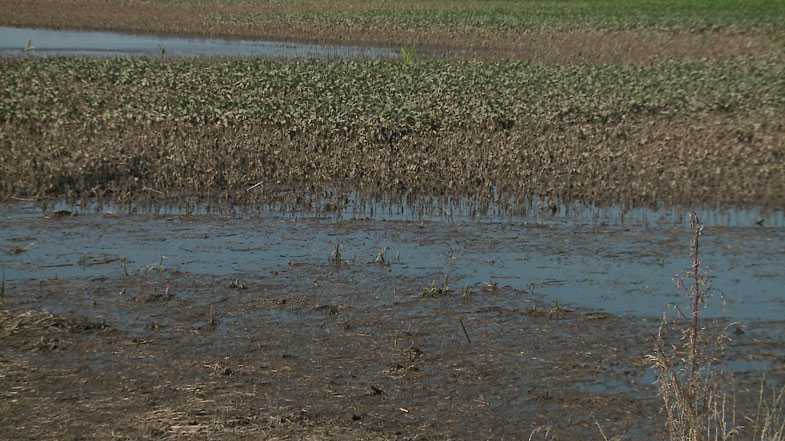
697,297
695,408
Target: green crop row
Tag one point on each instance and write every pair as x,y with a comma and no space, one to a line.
702,132
505,16
374,98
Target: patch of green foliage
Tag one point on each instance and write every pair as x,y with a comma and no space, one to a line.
375,99
516,16
616,132
408,55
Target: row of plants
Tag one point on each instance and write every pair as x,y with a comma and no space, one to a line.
605,133
366,98
506,16
562,32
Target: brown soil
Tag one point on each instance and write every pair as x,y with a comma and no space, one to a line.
404,371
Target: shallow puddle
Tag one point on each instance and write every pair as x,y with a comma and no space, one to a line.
644,383
42,42
621,269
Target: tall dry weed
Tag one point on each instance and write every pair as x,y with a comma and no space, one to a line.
697,405
768,424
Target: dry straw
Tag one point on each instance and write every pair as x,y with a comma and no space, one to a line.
696,407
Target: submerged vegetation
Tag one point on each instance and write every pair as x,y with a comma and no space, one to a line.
606,133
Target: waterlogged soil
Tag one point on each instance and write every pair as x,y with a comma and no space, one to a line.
253,327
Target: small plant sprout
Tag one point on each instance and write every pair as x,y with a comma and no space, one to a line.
465,332
466,295
158,267
557,311
336,258
384,257
237,284
124,265
2,285
408,55
437,291
540,432
212,322
381,258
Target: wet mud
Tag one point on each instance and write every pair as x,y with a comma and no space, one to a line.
271,327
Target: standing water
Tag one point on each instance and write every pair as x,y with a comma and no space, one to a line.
577,258
37,42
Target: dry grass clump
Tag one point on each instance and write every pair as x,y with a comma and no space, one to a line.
42,331
697,406
13,323
768,424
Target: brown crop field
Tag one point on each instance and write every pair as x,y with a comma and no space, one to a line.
706,132
608,31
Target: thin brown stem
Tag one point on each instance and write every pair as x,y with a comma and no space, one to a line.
697,293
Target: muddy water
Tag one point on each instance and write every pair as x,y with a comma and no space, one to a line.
104,304
619,268
14,41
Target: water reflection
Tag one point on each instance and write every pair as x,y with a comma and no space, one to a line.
533,210
43,42
622,269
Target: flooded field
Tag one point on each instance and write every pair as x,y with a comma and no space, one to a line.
618,267
46,42
297,232
382,323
